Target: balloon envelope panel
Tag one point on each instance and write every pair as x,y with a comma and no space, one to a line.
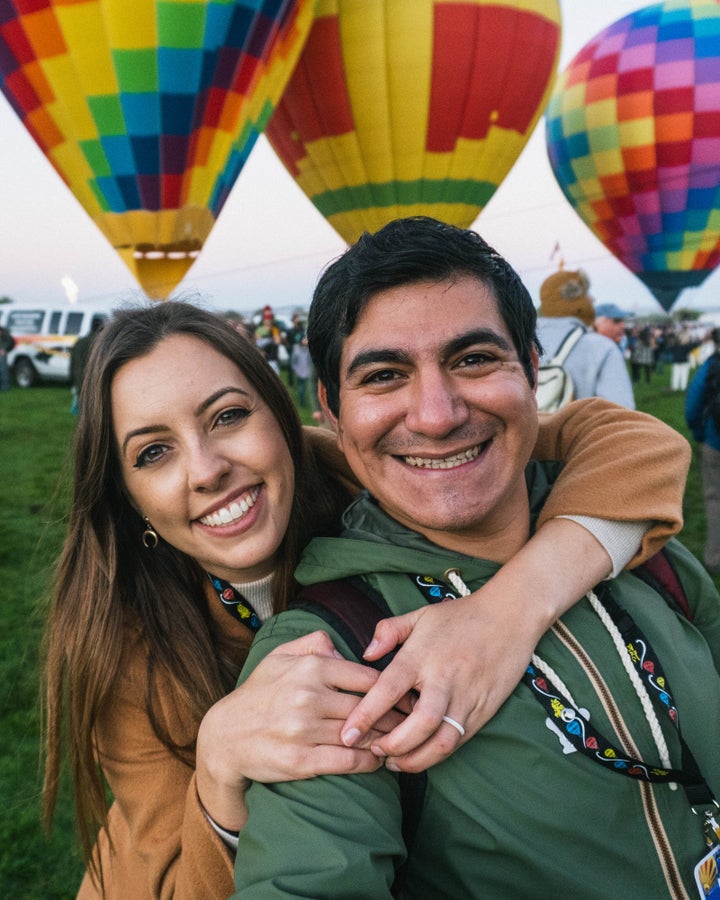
405,107
148,109
633,137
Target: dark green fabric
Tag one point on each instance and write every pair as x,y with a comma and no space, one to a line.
508,815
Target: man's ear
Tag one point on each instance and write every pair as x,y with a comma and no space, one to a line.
329,415
535,360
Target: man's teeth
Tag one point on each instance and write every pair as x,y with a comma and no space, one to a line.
450,462
232,513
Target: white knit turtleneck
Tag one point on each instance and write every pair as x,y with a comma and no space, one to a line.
258,594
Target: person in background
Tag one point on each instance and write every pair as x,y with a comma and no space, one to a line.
595,364
424,339
301,367
704,390
610,321
294,335
195,489
78,359
681,347
7,343
642,355
268,339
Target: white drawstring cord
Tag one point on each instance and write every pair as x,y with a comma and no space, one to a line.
455,579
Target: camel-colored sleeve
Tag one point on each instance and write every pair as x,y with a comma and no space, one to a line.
162,843
619,464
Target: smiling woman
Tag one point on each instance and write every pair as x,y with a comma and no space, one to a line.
195,491
203,457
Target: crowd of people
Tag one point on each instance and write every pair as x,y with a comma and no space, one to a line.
200,507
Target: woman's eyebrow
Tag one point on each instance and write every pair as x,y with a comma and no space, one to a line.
221,392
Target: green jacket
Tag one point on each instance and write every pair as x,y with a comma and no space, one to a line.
508,815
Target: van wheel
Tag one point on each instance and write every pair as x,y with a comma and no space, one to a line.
25,374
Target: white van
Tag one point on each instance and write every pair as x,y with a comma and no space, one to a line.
44,336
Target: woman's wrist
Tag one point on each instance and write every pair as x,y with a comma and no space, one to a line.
221,791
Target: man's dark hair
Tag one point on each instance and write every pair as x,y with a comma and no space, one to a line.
407,251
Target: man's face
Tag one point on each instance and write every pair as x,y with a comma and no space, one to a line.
437,418
612,328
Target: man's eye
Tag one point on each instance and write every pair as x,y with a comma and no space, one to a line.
149,455
382,376
475,359
232,416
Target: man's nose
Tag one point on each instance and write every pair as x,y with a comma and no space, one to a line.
435,407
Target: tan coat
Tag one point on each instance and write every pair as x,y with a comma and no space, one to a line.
163,846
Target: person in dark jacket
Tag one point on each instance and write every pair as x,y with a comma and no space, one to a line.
7,342
79,357
704,388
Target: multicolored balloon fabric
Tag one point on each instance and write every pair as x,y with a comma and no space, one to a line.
148,109
633,137
414,107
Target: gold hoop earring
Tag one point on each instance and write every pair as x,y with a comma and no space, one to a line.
150,537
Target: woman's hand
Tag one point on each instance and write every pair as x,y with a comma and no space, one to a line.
284,724
464,657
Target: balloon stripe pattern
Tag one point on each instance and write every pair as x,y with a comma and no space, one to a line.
414,107
148,109
633,137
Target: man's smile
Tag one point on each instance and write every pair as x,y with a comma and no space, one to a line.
448,462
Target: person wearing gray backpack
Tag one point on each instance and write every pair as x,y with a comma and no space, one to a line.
594,363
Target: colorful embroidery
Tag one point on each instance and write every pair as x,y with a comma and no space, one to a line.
235,603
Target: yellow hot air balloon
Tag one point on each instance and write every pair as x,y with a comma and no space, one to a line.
148,109
414,107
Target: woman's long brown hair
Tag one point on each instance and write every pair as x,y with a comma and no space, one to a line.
107,580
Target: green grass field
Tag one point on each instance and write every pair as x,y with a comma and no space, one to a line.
35,432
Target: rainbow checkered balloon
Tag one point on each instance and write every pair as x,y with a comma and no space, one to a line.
633,137
148,109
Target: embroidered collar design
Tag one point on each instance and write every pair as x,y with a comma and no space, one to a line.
235,604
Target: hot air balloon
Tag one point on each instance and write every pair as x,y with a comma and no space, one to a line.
633,137
148,109
413,107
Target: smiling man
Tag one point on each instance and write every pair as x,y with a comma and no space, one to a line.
424,341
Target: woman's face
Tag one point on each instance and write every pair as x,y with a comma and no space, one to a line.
203,457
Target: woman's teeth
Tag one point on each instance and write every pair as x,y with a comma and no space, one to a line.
236,510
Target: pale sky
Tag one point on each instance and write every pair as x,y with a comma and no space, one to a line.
270,243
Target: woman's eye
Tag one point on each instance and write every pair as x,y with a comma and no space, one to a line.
232,416
149,455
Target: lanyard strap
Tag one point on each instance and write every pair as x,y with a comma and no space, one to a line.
580,733
235,604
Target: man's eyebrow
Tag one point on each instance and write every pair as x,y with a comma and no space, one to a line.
389,355
397,355
477,336
208,402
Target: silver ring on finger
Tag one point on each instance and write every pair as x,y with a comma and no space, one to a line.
455,724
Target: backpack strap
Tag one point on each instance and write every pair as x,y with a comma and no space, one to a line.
659,573
352,608
566,347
